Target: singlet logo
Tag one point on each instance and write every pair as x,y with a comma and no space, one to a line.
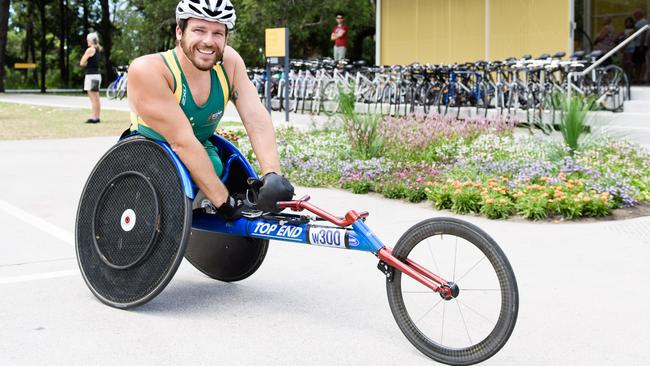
215,116
184,95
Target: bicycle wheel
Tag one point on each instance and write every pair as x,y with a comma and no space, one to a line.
330,98
613,88
111,90
474,324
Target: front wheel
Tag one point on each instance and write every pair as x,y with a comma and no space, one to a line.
474,324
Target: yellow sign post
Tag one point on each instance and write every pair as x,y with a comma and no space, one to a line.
276,45
275,39
24,66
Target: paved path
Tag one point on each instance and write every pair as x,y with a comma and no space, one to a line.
298,120
584,287
633,127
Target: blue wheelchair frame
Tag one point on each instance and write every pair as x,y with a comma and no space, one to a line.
349,232
359,237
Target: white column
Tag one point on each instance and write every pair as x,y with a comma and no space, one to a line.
487,30
572,25
378,33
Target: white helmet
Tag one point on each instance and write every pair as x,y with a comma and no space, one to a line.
220,11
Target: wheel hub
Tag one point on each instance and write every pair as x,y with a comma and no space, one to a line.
449,291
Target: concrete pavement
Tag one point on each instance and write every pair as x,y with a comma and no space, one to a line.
632,126
303,121
584,287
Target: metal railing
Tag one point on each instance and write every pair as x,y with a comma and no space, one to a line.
609,54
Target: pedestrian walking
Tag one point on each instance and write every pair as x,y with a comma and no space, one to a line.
90,60
340,37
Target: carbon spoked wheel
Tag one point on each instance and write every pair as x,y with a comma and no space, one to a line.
225,257
133,224
477,322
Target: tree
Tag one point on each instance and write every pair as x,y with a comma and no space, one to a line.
43,43
63,65
84,6
310,23
106,31
4,24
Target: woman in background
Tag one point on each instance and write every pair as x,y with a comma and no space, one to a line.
606,38
628,51
90,60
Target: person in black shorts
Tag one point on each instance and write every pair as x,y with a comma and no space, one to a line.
90,60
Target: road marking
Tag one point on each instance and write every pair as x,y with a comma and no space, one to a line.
39,276
37,222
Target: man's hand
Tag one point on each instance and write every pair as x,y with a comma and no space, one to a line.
272,188
231,209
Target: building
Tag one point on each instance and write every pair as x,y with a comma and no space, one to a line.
449,31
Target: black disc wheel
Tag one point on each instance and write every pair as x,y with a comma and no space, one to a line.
477,321
133,224
225,257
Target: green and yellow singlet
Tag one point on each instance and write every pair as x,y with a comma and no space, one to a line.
204,119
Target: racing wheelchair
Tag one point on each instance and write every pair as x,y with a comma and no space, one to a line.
450,287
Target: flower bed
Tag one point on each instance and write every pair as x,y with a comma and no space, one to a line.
475,166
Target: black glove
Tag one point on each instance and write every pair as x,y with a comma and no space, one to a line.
231,209
269,190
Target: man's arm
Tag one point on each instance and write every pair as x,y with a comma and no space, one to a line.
255,117
90,52
151,97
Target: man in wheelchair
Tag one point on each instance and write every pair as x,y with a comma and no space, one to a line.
180,95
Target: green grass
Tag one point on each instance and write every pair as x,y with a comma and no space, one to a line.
26,122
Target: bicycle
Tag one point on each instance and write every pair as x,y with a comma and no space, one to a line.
450,287
117,88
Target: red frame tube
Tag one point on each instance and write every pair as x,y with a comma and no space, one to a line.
413,270
302,204
410,268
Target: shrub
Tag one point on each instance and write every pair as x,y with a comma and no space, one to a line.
415,194
572,121
532,206
358,186
393,190
440,195
499,207
466,199
362,130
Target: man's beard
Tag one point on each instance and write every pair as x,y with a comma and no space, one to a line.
190,54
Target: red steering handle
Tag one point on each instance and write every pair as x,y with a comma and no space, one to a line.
302,204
